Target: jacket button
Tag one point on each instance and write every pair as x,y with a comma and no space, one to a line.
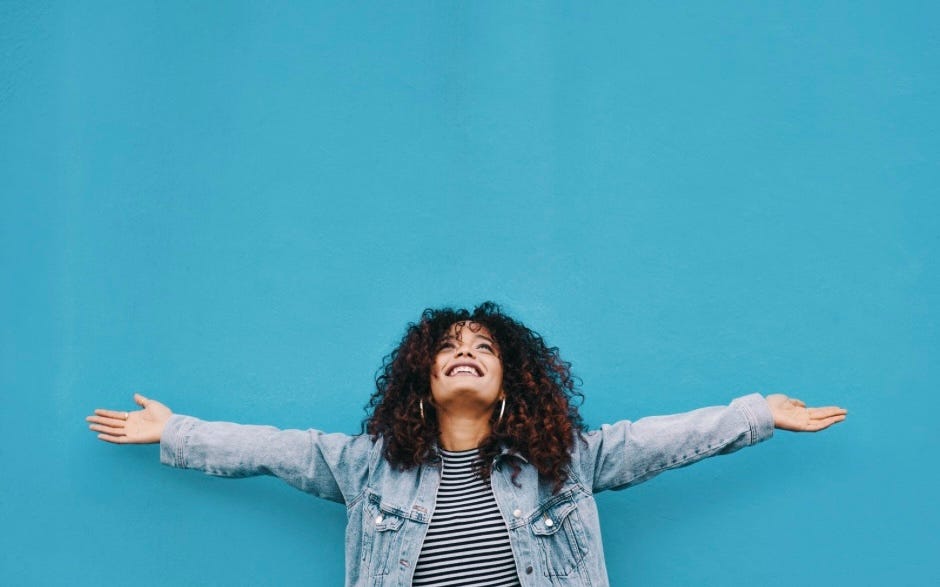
517,513
378,519
549,523
528,570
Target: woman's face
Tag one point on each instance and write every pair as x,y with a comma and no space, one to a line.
467,373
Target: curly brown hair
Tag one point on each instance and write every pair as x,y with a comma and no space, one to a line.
541,420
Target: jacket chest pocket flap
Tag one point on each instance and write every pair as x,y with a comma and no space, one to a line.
560,535
383,522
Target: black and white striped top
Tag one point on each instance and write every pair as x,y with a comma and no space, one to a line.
467,542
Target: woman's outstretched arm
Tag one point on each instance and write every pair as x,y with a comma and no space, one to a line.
144,426
331,466
627,453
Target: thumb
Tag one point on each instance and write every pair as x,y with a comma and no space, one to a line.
141,400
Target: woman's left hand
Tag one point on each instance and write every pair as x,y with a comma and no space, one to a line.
792,414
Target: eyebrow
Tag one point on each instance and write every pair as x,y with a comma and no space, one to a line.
452,337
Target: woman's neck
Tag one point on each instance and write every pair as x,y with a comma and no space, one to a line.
461,432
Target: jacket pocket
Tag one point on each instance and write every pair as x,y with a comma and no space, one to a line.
382,529
560,535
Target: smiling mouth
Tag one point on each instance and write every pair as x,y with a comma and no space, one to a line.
463,371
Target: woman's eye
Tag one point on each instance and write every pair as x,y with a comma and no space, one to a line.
486,347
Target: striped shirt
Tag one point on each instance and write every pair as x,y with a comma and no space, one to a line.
467,541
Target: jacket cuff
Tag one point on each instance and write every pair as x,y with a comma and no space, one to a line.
173,440
760,421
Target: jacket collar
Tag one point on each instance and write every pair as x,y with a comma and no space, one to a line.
509,452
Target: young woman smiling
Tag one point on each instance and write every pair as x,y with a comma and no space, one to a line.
474,466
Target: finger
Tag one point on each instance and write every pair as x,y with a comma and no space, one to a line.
113,439
111,414
109,430
817,425
819,413
798,402
141,400
112,422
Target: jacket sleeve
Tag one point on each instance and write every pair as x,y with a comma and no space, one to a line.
626,453
331,466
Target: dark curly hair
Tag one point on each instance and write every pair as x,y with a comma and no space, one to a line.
541,421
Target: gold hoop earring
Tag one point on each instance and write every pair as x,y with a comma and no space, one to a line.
502,408
421,408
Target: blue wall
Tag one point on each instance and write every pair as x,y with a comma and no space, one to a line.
236,209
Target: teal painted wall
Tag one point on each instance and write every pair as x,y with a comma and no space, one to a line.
236,208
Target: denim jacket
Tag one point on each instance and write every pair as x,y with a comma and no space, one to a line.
555,537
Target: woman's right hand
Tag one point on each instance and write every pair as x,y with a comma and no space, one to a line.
140,427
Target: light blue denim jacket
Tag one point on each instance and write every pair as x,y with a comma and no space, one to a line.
556,537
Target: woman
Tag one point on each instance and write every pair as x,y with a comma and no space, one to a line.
474,467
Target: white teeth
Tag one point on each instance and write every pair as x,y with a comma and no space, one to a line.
464,369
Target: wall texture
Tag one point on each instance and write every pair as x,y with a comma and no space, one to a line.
236,208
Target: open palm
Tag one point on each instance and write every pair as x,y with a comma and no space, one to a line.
792,414
142,426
